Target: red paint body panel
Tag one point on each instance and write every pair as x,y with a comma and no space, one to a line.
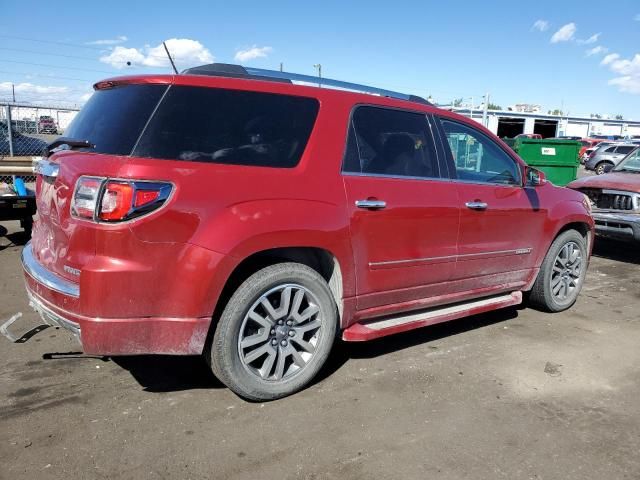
151,285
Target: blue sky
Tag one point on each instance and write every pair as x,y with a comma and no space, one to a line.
444,49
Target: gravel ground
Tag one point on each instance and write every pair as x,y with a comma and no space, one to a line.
514,394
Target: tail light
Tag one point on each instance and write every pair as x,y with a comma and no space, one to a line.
105,200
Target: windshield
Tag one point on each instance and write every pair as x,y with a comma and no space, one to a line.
631,163
113,119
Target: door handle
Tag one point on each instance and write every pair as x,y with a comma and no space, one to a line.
476,205
371,204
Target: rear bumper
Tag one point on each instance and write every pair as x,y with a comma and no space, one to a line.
109,336
618,225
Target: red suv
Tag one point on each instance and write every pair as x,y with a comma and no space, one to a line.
235,214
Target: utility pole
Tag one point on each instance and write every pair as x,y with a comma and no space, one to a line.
13,91
319,67
281,67
484,110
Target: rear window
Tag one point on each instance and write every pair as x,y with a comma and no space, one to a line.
113,119
229,126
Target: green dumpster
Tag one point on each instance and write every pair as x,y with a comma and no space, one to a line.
558,159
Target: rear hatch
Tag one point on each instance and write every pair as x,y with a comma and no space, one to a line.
111,121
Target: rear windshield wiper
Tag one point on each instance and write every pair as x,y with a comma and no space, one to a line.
70,143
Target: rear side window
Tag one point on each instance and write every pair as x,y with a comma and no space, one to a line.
610,149
113,119
625,149
390,142
229,126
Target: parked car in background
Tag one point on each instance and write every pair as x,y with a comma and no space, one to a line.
46,124
608,137
232,215
23,145
587,143
606,157
536,136
615,199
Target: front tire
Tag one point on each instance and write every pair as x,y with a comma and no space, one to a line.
562,273
275,333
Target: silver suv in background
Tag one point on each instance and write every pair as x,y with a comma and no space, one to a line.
606,157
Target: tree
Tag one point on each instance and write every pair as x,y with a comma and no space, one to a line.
557,111
458,102
619,117
493,106
596,115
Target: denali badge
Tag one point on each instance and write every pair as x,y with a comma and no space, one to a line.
71,270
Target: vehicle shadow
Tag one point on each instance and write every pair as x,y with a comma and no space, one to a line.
345,351
13,239
167,373
158,373
610,249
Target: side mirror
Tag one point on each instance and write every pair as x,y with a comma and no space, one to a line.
534,177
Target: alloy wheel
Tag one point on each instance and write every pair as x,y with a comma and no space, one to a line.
566,274
280,332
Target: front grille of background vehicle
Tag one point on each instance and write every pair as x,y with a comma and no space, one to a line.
609,201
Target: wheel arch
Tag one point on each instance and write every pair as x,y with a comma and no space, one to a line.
320,259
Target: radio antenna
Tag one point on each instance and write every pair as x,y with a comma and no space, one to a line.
170,59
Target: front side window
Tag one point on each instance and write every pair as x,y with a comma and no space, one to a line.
229,126
390,142
630,164
477,158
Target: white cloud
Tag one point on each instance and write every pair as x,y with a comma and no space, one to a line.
185,52
110,41
29,92
540,25
252,53
628,71
609,58
598,50
592,39
565,33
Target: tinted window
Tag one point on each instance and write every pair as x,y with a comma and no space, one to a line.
477,157
229,126
390,142
625,149
610,149
113,119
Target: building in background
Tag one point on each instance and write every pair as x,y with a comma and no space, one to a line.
505,123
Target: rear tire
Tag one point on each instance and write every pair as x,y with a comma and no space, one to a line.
275,333
601,168
562,273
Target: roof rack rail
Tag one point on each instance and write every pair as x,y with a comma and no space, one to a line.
238,71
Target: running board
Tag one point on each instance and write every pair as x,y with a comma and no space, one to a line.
380,327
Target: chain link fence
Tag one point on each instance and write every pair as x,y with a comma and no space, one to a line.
26,129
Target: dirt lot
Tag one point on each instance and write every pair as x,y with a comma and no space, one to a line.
512,394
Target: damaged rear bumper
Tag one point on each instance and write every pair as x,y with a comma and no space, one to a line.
54,300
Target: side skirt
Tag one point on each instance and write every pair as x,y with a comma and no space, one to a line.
381,327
